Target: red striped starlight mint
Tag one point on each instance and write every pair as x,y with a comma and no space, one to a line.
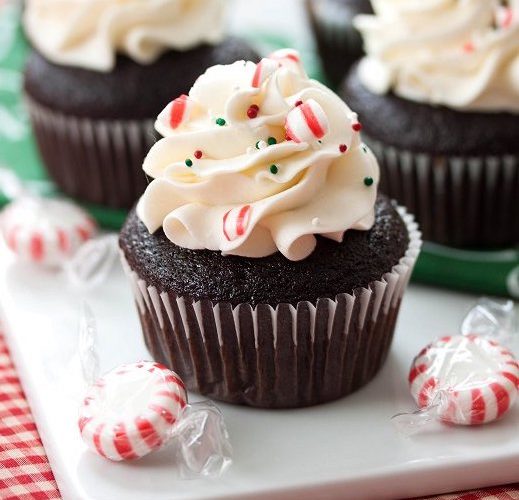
478,377
45,231
131,410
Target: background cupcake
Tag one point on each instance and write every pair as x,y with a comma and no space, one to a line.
266,271
338,41
438,97
99,74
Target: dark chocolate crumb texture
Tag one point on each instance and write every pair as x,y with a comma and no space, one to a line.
362,257
131,90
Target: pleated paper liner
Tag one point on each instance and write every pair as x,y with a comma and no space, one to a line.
280,357
458,201
339,44
95,161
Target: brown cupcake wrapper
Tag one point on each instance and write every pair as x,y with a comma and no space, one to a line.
95,161
278,357
338,41
457,200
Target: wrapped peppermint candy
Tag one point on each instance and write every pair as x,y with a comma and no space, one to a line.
138,408
466,379
45,231
54,233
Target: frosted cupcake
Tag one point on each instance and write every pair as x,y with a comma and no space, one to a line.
266,270
438,96
99,74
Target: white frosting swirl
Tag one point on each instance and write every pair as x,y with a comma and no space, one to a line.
460,53
89,33
243,196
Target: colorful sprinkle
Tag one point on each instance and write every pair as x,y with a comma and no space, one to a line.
368,181
220,121
189,162
343,148
274,169
271,141
298,103
261,145
253,110
198,154
357,127
364,148
287,137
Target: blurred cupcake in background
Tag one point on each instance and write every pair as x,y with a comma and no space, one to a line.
100,72
438,97
266,269
338,42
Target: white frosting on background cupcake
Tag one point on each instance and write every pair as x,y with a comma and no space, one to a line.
89,33
459,53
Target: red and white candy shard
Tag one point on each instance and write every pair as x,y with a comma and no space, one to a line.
288,58
505,17
179,110
307,122
264,70
131,410
479,376
235,222
45,231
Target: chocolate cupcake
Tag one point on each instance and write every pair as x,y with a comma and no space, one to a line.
99,75
265,269
438,97
338,42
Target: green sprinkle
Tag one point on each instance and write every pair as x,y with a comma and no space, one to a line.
368,181
220,121
274,169
364,148
189,163
271,141
257,145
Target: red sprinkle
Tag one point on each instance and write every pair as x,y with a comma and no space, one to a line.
252,112
198,154
357,127
254,106
343,148
298,103
287,137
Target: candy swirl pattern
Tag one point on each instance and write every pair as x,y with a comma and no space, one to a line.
258,158
463,54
